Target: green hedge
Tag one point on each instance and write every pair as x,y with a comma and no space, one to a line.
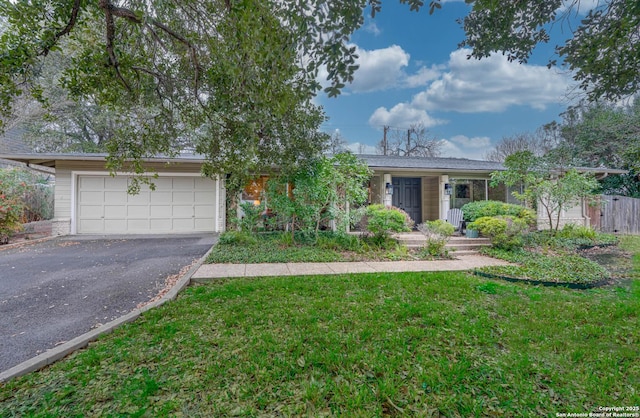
481,208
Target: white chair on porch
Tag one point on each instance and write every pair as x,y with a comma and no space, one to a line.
455,217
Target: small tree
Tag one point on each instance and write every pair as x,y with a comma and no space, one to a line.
322,190
551,187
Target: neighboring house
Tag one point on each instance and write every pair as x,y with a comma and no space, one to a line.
88,200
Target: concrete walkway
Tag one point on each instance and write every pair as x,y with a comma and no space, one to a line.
462,262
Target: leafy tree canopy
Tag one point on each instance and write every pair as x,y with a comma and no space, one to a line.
233,79
600,135
603,51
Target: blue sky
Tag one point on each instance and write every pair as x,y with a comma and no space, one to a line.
412,71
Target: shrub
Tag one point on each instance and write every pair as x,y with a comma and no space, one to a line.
437,234
571,231
252,218
237,238
505,232
12,190
481,208
382,220
339,242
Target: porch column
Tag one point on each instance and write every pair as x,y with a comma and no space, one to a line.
445,199
387,198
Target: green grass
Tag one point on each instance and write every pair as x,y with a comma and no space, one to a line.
631,243
411,344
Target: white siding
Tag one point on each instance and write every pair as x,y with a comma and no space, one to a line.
62,200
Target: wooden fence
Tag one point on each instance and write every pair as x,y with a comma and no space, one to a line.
617,214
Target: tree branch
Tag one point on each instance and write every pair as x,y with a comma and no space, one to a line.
112,10
66,30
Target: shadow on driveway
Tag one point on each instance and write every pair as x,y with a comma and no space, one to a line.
56,290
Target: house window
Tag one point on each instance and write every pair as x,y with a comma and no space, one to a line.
468,190
254,190
462,191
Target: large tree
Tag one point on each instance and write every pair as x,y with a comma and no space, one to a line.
601,135
235,78
603,50
539,143
413,142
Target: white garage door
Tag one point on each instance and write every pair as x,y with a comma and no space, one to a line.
178,204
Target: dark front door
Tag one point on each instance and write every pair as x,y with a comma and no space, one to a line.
407,196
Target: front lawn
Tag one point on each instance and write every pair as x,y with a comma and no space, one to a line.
410,344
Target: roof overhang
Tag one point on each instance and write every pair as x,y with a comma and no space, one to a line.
50,160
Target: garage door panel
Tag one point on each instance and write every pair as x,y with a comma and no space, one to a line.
203,224
202,211
92,225
90,211
182,197
157,211
186,183
163,183
91,197
182,211
115,226
115,212
179,204
161,225
160,197
91,183
203,183
204,197
137,225
137,212
140,198
116,198
183,224
116,183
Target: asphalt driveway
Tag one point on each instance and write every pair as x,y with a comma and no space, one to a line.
56,290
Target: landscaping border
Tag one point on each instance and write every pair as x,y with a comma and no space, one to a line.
576,286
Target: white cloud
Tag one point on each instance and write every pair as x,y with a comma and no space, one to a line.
492,85
461,146
372,28
358,148
582,7
423,76
402,115
380,69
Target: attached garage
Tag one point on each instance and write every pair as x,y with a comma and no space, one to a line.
88,200
179,203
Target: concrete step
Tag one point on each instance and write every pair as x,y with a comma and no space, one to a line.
457,244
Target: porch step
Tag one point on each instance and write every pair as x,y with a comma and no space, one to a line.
458,244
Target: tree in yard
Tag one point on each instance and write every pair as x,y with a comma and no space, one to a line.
337,143
233,79
553,189
601,135
324,189
603,52
539,143
413,142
